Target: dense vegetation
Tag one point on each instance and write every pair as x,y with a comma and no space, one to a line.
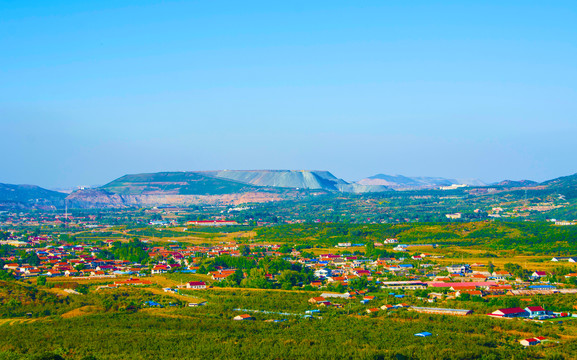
207,331
536,237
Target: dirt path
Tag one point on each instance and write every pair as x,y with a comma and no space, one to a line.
15,321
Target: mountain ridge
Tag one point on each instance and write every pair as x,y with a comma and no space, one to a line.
306,179
402,182
239,186
29,196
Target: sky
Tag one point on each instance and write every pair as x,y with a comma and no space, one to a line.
93,90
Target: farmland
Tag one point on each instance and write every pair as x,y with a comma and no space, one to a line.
312,290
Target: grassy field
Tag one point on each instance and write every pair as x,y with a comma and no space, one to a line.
452,254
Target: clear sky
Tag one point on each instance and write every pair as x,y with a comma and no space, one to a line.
92,90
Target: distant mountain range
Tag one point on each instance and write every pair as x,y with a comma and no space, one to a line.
29,196
400,182
213,187
237,186
513,183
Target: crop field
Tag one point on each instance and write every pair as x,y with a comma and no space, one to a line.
456,254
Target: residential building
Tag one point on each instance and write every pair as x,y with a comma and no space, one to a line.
197,285
535,311
442,311
510,312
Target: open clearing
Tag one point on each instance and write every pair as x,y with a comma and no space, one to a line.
85,310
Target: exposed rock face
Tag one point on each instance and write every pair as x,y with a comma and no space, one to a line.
95,198
297,179
191,188
98,198
211,188
302,179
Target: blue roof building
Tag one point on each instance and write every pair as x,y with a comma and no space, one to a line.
423,334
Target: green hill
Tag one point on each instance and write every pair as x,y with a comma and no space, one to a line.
175,183
565,185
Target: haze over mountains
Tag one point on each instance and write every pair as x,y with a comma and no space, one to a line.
213,187
28,196
400,182
235,187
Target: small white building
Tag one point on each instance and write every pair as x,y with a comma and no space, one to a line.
336,295
345,244
323,273
196,285
532,341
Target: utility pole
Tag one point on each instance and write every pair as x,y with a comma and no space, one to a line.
65,212
525,197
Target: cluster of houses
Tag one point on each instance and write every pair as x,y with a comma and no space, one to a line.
26,241
471,279
325,300
82,261
529,312
70,260
51,219
414,272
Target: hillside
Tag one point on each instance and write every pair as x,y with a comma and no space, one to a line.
175,183
100,198
514,183
212,187
255,186
565,185
171,188
394,181
29,196
356,188
176,189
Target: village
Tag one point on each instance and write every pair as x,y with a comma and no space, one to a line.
407,281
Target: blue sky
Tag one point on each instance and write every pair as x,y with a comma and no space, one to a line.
92,90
